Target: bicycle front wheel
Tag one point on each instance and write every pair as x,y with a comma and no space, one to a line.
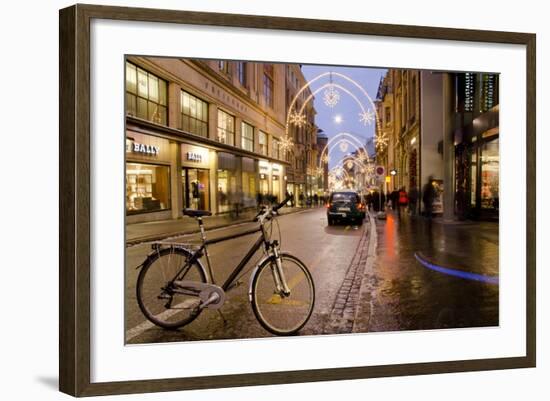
278,313
158,298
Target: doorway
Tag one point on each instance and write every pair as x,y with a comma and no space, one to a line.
196,188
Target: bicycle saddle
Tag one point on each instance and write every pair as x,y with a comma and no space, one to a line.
196,213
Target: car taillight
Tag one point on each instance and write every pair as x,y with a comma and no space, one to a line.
328,205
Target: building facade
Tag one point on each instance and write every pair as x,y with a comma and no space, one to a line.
442,129
398,107
476,145
302,159
202,134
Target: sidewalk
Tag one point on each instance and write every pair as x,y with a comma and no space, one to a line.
429,274
470,246
157,230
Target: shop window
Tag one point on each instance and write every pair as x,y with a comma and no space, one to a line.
194,115
147,188
490,175
247,137
226,128
249,182
145,95
226,190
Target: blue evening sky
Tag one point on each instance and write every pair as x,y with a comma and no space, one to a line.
347,107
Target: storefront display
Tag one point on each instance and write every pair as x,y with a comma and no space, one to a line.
227,182
147,174
489,193
195,188
249,181
147,188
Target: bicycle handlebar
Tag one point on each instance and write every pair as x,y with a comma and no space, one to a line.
273,209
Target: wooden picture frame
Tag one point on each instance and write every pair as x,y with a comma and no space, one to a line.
75,208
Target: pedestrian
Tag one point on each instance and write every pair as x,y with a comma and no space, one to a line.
413,199
402,201
316,199
393,199
428,196
287,194
301,199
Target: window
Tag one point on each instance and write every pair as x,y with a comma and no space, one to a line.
147,188
226,128
223,66
490,175
275,149
145,95
388,115
241,72
247,137
263,143
268,84
194,114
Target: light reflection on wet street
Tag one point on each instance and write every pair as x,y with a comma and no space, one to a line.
408,296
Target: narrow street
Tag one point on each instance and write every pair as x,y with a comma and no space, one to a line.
327,251
365,281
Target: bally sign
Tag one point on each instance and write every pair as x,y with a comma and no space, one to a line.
145,149
194,157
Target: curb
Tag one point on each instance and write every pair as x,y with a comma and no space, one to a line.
363,312
344,308
158,237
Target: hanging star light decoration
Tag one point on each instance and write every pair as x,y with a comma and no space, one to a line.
286,144
320,171
381,141
366,117
363,157
343,146
370,169
325,159
297,119
349,164
331,96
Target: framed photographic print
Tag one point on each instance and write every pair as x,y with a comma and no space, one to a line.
306,200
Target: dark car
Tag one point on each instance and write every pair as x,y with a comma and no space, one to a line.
345,206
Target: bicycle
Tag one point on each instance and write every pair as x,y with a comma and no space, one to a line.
173,287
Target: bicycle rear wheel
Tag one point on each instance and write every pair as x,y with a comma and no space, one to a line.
277,313
158,298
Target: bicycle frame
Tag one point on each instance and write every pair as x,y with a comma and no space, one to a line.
196,255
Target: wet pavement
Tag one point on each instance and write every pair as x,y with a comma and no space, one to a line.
399,293
328,251
367,278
